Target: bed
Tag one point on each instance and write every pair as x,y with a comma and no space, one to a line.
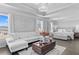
63,34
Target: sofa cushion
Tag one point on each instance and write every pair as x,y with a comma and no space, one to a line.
25,35
17,45
32,38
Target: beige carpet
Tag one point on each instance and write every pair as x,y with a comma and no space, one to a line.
58,50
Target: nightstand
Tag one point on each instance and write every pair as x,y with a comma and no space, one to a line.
76,35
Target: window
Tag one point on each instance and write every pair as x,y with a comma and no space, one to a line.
3,26
3,20
39,25
51,24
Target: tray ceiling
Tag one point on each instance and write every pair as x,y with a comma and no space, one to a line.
55,10
34,8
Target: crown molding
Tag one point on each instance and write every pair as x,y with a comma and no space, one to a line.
60,9
18,9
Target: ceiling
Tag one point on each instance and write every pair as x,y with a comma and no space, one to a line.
33,8
55,10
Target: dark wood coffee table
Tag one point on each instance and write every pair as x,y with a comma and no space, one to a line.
43,48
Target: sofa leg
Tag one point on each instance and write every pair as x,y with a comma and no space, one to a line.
15,53
26,48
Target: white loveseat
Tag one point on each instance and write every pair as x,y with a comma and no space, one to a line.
20,40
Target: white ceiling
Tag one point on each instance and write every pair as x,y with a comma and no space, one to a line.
55,10
33,8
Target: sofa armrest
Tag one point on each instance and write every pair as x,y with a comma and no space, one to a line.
8,39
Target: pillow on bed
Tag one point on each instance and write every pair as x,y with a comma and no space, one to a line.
70,30
64,30
60,30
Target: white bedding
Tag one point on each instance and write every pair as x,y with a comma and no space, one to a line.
64,34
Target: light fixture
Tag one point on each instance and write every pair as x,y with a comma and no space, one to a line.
42,8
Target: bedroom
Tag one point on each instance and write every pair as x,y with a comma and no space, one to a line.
58,19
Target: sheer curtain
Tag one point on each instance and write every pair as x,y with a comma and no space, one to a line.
39,26
51,27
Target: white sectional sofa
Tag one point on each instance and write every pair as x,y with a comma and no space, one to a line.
15,45
27,36
20,40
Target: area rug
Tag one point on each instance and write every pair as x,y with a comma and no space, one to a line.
58,50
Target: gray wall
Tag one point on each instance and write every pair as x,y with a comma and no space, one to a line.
69,16
68,23
18,21
24,23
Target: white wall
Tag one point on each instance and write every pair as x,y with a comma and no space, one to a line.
24,23
18,20
21,21
69,15
71,23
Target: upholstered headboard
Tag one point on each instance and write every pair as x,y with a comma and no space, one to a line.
68,29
